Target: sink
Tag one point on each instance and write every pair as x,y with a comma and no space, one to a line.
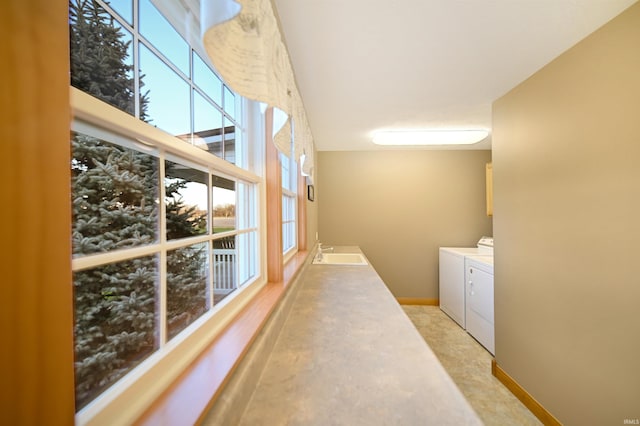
340,259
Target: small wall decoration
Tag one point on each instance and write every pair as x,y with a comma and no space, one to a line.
311,193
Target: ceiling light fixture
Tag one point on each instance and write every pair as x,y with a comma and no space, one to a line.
429,137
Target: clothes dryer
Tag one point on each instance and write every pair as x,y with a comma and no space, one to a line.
479,318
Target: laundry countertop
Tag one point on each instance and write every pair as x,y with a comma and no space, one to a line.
348,355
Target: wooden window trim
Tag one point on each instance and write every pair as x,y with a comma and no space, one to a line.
273,179
37,303
302,213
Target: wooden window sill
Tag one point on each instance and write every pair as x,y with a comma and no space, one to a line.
195,391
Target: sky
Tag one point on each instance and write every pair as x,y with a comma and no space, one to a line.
195,194
169,94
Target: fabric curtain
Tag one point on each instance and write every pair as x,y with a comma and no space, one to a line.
245,45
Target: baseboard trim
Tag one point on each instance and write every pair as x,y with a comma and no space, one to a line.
417,301
530,402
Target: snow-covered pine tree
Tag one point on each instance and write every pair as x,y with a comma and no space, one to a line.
114,191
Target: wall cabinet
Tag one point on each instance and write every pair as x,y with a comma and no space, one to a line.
489,185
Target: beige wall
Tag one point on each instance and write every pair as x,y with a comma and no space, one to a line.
312,212
400,206
312,223
566,159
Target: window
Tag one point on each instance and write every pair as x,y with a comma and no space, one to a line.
289,209
151,71
163,233
145,271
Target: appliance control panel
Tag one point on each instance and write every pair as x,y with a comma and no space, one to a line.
485,242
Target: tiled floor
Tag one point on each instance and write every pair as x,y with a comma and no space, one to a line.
469,365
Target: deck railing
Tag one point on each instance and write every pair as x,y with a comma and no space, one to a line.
224,271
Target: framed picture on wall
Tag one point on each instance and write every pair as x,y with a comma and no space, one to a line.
311,193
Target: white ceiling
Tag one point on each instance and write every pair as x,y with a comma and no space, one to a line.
365,65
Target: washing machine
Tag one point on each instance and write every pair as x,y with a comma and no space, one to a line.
452,277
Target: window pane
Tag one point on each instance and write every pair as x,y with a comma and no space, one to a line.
186,201
206,79
224,204
207,126
229,141
114,193
247,256
187,276
285,202
115,326
242,158
124,8
229,102
168,104
159,32
207,118
246,208
128,60
285,237
288,222
288,236
100,55
284,171
225,280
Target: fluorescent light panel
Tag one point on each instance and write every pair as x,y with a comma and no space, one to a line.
429,137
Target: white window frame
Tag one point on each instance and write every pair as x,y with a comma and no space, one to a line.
98,119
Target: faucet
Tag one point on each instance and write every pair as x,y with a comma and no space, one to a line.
321,250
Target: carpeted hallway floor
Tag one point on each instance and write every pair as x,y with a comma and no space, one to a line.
469,365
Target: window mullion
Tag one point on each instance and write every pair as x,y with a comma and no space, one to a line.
236,265
162,267
192,101
210,280
136,62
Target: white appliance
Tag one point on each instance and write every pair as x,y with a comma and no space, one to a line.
452,277
479,300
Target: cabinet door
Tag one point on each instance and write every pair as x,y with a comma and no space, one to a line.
489,184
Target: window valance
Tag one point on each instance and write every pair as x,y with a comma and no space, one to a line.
246,47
